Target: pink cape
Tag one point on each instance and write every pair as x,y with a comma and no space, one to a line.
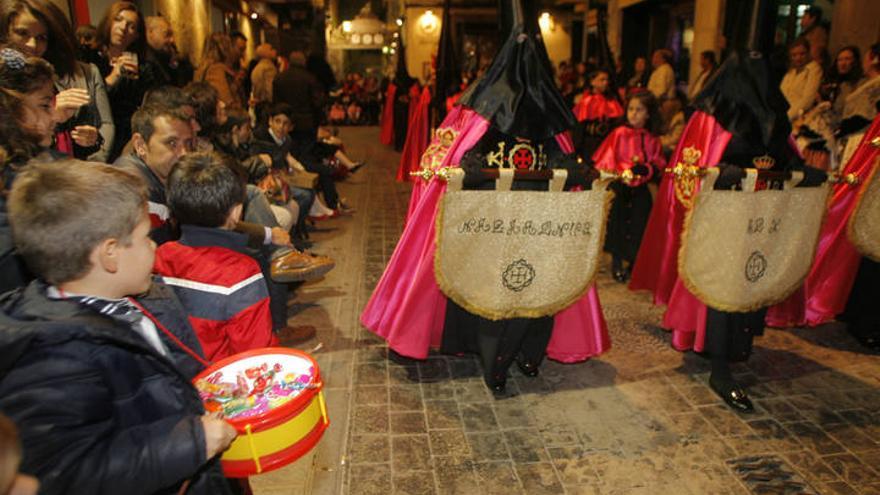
416,138
408,309
656,266
386,134
831,278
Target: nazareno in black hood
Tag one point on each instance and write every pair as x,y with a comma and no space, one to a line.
518,94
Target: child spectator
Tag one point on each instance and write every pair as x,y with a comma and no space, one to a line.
90,371
633,146
221,287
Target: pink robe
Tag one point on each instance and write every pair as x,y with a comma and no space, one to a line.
827,287
408,309
616,152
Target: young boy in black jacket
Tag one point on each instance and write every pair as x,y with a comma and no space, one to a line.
89,369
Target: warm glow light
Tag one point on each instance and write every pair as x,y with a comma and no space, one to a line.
428,22
399,21
346,26
254,15
546,22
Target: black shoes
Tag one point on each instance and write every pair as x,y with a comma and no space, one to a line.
527,368
732,393
496,383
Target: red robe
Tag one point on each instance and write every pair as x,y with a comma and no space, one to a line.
827,287
386,135
416,138
656,266
597,106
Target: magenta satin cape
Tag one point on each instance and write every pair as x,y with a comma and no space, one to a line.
408,309
592,107
386,133
827,287
656,266
416,138
617,151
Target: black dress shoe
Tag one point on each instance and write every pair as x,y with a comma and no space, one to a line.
733,394
619,275
496,383
527,368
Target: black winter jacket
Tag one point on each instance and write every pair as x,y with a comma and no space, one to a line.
98,409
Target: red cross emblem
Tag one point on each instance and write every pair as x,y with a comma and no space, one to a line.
522,157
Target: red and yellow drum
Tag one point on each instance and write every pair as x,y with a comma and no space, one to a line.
273,397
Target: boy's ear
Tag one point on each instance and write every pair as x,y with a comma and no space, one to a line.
234,215
105,256
139,144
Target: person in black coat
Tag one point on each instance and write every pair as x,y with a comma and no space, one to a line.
99,388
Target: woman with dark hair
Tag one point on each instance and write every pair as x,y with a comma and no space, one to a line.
210,112
26,131
632,146
121,37
37,28
218,59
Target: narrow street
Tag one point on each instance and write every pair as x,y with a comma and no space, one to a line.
639,419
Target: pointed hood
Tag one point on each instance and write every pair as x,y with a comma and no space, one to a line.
517,94
742,94
402,79
448,74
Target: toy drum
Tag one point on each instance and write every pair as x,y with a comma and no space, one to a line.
273,397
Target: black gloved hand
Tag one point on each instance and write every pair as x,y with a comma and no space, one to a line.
730,176
813,177
851,125
641,169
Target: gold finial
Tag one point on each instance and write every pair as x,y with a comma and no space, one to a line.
876,142
627,176
763,162
426,174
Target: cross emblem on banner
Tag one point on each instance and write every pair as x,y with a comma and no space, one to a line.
522,157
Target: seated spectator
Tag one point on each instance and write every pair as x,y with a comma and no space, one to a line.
26,131
91,374
639,78
275,140
221,286
708,66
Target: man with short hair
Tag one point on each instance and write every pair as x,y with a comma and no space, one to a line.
707,68
801,82
662,81
162,65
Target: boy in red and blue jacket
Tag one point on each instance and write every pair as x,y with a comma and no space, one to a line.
220,285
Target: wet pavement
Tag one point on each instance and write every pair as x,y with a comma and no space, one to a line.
638,419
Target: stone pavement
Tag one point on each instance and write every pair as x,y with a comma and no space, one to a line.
639,419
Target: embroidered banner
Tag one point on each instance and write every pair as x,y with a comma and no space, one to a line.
507,254
744,250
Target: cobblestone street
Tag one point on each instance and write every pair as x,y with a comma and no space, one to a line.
639,419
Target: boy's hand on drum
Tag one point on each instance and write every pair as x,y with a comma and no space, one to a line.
218,433
67,102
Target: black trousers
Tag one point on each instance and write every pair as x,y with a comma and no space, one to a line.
498,343
732,334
